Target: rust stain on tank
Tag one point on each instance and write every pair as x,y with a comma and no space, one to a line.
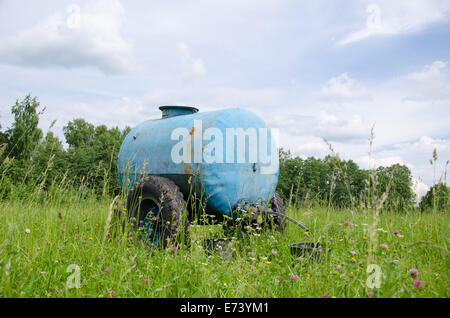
187,168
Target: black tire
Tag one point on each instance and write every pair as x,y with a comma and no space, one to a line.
277,205
163,197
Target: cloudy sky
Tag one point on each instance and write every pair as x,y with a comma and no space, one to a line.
313,69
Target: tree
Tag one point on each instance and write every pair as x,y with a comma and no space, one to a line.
49,160
348,181
437,198
341,183
289,173
27,160
24,135
3,138
396,181
92,155
78,133
21,140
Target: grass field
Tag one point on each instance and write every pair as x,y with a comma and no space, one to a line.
44,246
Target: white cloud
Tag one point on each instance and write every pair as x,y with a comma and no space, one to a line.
343,88
403,109
83,36
342,130
416,155
419,188
317,147
431,72
387,17
193,68
406,129
431,83
323,125
375,162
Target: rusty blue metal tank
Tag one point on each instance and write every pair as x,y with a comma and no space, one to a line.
210,152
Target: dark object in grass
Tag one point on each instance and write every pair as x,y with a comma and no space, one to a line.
222,246
309,250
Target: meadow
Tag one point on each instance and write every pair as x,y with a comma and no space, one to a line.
64,245
59,236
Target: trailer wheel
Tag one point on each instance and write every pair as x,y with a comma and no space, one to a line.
158,212
271,221
277,205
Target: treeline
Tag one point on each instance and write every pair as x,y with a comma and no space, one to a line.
30,161
339,183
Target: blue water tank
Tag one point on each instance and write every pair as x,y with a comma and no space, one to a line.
212,152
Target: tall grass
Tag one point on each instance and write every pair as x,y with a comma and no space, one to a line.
48,237
45,233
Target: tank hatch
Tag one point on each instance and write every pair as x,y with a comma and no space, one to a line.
172,111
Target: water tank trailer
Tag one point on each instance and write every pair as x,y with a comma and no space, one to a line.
228,158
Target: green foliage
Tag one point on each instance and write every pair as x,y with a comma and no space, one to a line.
21,140
437,198
92,155
336,182
49,161
24,135
79,133
27,159
396,180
